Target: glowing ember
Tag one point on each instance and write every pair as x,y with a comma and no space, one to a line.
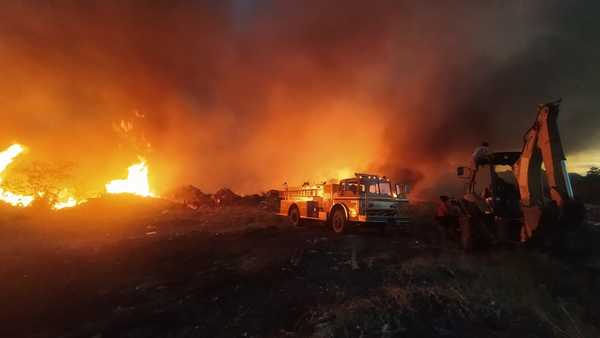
6,158
65,199
15,199
69,203
136,182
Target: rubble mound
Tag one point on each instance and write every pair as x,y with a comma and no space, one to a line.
251,200
225,197
192,197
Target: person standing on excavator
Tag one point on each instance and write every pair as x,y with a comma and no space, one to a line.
481,155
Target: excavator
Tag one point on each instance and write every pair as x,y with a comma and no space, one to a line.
523,196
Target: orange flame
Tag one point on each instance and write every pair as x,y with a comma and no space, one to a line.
6,158
66,200
136,182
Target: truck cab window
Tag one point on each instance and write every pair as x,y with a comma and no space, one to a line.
385,188
349,189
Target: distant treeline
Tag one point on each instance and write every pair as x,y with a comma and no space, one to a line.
587,187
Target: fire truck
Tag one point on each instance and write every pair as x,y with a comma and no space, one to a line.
364,199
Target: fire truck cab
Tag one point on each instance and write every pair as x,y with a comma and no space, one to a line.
365,198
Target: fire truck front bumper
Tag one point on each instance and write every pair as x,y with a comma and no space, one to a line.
379,219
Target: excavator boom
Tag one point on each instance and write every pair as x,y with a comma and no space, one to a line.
542,144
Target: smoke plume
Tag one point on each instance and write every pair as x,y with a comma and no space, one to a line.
249,94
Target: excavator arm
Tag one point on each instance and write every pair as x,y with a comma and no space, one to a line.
542,144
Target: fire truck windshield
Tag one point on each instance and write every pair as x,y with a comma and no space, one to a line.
385,188
381,188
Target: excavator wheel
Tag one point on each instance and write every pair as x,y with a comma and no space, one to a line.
338,221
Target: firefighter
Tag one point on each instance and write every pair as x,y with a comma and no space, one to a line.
447,217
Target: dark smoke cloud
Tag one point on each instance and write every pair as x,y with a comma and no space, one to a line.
249,94
528,55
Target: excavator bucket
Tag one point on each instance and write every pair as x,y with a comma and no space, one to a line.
531,220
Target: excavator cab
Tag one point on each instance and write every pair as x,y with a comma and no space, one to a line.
491,195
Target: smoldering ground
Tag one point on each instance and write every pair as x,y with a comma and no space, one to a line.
249,94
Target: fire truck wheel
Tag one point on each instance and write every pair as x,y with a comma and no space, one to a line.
294,215
338,221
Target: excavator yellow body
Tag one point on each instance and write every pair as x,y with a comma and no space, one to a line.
532,199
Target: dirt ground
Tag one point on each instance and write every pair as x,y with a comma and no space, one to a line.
244,272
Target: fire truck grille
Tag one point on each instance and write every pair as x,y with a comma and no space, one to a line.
386,213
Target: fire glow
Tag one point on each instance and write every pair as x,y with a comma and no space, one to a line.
69,203
136,183
6,158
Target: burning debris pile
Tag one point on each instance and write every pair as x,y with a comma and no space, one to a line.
136,183
6,158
